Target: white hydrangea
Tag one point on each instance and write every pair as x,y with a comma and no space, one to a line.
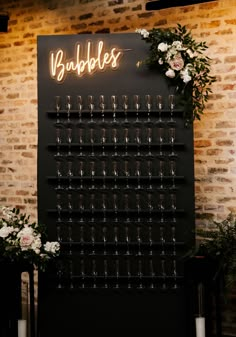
36,244
5,231
51,247
178,45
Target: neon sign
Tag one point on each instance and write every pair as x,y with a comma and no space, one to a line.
97,60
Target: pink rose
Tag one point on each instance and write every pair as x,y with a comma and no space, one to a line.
177,63
26,241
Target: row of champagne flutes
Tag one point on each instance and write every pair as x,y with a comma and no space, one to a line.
113,103
114,135
129,239
120,272
124,201
116,167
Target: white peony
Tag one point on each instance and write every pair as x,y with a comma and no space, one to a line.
170,73
163,46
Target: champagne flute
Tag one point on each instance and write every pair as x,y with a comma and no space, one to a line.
171,99
148,106
140,274
125,105
137,107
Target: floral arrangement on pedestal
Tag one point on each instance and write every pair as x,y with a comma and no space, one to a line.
220,244
22,241
181,59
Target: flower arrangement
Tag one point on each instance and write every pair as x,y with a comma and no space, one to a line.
22,241
175,53
220,244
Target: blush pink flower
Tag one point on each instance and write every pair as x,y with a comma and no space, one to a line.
177,63
26,238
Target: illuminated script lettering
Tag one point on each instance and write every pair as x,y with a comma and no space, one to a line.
93,60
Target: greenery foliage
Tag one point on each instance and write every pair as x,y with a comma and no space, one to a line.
220,244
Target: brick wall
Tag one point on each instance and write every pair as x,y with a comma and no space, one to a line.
215,144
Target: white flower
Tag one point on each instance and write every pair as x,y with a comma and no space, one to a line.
51,247
143,32
160,61
190,53
170,73
5,231
163,46
178,45
184,74
36,244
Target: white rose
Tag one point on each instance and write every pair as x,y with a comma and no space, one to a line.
170,73
160,61
162,46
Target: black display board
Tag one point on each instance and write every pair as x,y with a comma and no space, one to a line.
115,187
